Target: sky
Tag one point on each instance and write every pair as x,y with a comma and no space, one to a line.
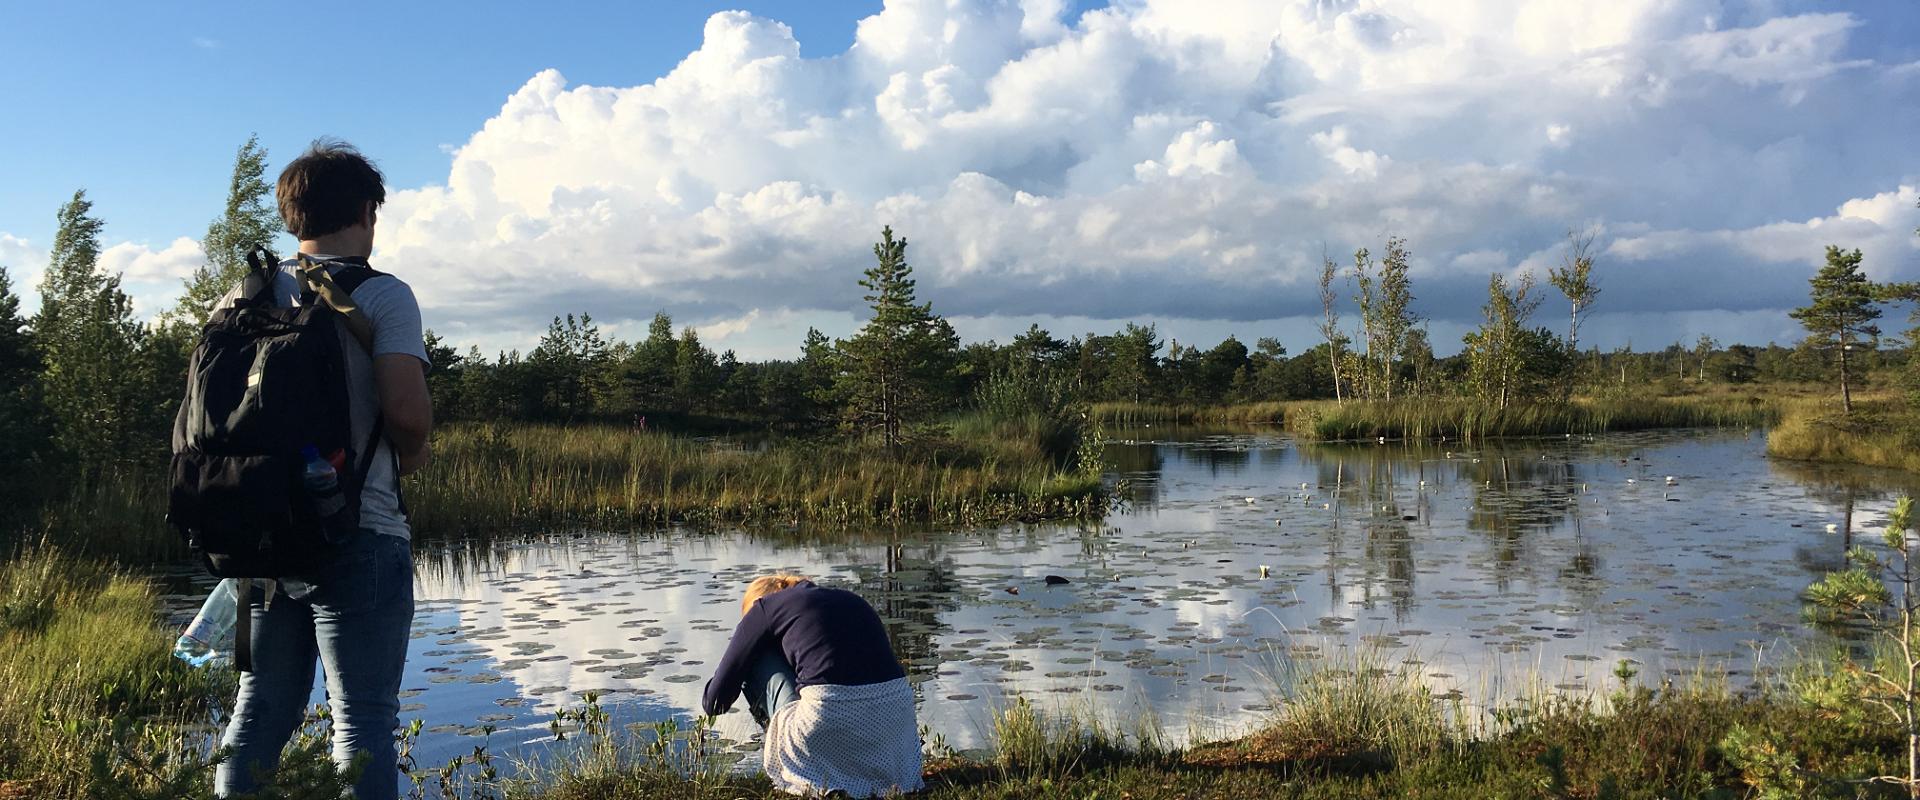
1183,162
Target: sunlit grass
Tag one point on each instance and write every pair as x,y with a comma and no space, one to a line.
1458,418
85,667
1471,420
493,476
1132,414
1882,431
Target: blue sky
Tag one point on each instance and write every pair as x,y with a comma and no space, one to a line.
1184,162
143,104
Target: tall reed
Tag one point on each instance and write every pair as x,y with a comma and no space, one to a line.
486,477
1469,419
1131,414
85,668
1881,432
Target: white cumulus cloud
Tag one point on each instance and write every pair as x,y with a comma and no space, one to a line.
1174,160
1179,161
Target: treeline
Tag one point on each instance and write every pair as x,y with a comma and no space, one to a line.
85,386
577,373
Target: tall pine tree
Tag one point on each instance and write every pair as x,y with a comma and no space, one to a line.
249,219
818,369
22,429
899,368
647,375
1841,313
95,378
696,373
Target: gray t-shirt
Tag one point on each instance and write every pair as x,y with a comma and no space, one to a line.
393,312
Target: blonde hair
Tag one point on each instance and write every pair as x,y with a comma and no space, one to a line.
766,585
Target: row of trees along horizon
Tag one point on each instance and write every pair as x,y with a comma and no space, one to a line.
88,386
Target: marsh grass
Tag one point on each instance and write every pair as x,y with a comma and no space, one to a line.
1355,704
1132,414
1454,418
1355,726
118,515
486,477
489,477
1471,420
1352,724
85,669
1882,431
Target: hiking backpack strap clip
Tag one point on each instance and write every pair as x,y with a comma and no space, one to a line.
317,282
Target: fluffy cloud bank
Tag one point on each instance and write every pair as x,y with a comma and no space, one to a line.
1183,161
151,276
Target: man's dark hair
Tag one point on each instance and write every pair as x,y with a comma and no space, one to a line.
328,188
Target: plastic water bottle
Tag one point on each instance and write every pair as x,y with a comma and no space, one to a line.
209,638
323,485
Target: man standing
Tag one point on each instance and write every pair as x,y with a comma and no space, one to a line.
354,614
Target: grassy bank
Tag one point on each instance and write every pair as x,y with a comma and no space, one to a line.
1376,733
1432,418
85,672
1122,415
1882,431
486,477
91,705
491,477
1468,420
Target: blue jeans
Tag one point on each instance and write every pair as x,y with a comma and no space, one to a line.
771,685
354,615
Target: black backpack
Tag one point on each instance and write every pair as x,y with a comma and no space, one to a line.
263,384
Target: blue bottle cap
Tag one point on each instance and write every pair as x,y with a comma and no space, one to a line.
310,453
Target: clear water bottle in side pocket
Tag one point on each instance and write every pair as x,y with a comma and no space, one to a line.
323,486
209,637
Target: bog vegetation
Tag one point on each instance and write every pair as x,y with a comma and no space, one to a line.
92,705
902,422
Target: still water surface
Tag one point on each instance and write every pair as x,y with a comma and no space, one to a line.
1494,569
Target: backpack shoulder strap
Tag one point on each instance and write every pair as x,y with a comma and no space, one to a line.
318,282
350,277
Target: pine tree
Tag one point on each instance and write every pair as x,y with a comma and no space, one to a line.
18,361
696,373
250,219
1134,365
22,429
1841,313
647,376
569,358
819,371
898,369
96,383
445,379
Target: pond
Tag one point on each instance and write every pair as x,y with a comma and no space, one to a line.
1493,569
